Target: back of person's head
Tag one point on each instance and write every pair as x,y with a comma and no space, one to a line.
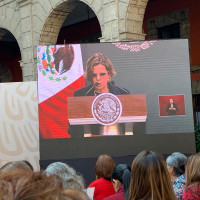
74,194
29,164
150,178
15,165
177,161
29,185
71,179
122,173
193,170
104,166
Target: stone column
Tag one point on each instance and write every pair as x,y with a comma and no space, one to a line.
28,50
110,29
134,21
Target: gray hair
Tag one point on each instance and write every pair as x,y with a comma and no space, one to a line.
177,161
69,176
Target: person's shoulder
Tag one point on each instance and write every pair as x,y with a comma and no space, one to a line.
181,179
119,196
94,183
121,90
125,91
191,192
117,90
82,91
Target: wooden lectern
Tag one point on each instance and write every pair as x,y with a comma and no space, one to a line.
133,110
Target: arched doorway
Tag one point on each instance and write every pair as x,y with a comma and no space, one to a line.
75,23
80,26
10,70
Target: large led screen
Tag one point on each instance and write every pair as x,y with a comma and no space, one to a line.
108,89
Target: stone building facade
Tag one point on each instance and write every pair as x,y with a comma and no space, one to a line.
38,22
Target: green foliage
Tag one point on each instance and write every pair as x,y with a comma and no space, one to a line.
64,78
197,136
50,78
49,58
49,65
44,72
38,60
58,79
47,50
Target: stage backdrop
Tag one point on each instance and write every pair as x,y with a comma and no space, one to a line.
154,68
19,135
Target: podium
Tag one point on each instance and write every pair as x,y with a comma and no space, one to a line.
133,110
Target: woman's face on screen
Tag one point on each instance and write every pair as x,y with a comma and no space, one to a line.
100,78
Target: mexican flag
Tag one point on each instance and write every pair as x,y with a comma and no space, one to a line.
60,73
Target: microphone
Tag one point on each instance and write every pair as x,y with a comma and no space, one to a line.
89,90
95,84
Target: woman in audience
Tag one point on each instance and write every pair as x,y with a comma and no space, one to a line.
121,176
103,185
150,179
192,190
69,176
15,165
176,166
74,194
29,164
24,185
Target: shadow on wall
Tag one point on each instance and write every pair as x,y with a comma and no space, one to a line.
5,74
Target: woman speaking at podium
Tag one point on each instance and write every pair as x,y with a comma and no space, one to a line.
99,72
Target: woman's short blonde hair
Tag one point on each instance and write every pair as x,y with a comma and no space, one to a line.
193,170
96,59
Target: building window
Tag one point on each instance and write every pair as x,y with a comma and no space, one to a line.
169,31
196,99
196,106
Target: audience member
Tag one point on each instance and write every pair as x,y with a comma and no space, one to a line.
28,163
24,185
121,176
74,194
176,166
68,175
15,165
192,190
103,185
150,179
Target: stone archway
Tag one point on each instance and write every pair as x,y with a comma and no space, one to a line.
56,18
10,24
134,20
10,20
10,51
10,55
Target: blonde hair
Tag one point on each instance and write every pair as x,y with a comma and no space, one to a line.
193,170
150,178
30,185
96,59
15,165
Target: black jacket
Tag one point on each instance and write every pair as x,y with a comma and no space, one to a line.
89,90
